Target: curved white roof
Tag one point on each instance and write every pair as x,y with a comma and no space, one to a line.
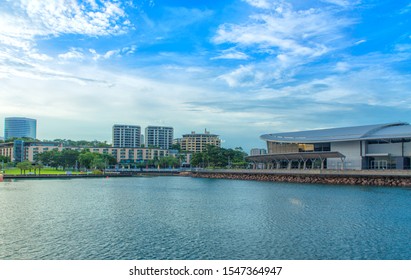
366,132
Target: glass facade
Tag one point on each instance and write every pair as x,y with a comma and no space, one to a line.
20,127
19,151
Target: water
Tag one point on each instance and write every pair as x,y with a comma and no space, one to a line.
188,218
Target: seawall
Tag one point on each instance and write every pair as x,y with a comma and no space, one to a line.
374,178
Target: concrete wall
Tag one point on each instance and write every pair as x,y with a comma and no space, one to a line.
352,152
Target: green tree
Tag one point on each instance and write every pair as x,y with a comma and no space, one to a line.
24,166
98,162
176,147
51,158
38,166
86,159
4,159
200,159
217,157
109,159
91,160
69,158
168,162
56,159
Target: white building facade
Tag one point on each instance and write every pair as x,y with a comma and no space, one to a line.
159,136
19,151
126,136
381,146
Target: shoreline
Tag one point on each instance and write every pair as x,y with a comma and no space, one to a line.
77,176
342,177
361,178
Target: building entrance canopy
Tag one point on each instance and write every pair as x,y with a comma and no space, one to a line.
295,156
271,161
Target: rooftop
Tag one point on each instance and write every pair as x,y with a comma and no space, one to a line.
366,132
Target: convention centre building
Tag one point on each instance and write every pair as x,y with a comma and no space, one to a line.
380,146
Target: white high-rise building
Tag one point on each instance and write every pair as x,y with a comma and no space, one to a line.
126,136
159,136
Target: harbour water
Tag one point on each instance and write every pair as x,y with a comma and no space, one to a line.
193,218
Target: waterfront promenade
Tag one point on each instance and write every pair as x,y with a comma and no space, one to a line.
397,178
107,173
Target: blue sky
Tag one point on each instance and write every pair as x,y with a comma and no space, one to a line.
238,68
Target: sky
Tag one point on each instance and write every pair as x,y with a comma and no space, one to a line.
238,68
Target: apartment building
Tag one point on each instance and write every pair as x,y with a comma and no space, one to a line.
159,136
126,136
197,142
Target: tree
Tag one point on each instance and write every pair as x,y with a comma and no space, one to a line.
23,166
98,162
176,147
69,158
52,158
91,160
38,166
44,158
4,159
218,157
56,159
109,159
199,159
169,161
86,159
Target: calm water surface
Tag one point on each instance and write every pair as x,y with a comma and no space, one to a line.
188,218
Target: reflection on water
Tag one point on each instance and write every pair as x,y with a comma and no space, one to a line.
187,218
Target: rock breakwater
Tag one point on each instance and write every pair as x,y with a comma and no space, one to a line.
394,181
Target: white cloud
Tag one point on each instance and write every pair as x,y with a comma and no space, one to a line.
406,9
288,37
231,54
301,32
39,57
23,23
244,76
342,67
375,86
343,3
71,17
403,47
264,4
73,54
360,42
112,53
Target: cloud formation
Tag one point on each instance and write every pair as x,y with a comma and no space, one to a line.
241,70
286,36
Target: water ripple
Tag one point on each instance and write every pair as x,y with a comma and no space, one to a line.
186,218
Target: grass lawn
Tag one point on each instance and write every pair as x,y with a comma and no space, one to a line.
48,171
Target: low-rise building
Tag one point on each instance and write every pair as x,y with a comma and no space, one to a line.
19,151
380,146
